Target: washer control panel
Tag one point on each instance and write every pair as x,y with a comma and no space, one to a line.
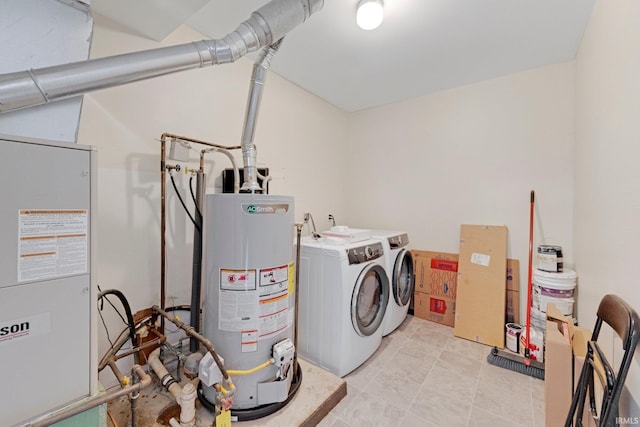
364,253
398,241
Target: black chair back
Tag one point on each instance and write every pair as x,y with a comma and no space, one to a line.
623,319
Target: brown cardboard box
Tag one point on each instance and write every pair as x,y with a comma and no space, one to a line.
565,346
437,310
481,294
512,313
435,286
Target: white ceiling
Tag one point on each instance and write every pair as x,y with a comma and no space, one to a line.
422,46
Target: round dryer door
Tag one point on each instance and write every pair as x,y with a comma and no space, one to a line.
369,300
403,280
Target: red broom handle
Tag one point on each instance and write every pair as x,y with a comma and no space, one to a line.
529,286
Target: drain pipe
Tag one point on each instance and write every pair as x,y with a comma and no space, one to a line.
260,68
185,397
265,26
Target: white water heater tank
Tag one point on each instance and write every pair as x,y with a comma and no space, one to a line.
248,264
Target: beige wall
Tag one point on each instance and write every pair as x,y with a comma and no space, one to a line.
297,136
607,176
470,155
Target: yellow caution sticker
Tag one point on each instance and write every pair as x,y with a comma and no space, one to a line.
292,276
224,419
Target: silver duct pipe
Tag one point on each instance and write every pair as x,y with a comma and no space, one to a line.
264,27
260,68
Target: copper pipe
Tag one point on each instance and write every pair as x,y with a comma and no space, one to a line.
156,341
297,299
197,141
116,372
163,214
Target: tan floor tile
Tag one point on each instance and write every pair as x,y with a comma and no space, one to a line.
537,389
327,421
361,376
481,418
418,346
467,348
408,367
409,325
397,390
339,423
437,327
460,364
450,383
433,337
509,403
411,420
504,378
440,409
369,410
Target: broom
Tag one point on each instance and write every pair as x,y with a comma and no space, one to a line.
507,359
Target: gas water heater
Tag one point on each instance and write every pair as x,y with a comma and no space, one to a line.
248,305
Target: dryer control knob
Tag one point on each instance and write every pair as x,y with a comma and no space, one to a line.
368,252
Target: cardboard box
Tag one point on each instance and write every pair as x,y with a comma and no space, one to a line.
512,303
440,307
565,350
481,291
434,309
435,286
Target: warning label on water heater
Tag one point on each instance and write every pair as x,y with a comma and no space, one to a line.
274,301
52,243
238,300
256,301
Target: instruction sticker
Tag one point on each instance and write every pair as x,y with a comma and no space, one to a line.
238,301
480,259
274,301
52,243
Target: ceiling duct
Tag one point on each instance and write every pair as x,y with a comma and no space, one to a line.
264,27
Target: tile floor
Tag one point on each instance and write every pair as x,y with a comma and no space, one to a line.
424,376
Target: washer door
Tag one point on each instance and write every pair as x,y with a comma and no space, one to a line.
369,300
403,281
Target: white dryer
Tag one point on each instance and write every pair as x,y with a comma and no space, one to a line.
343,295
399,266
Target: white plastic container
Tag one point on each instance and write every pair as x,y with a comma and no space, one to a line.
556,288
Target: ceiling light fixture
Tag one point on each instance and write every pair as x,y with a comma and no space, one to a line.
370,14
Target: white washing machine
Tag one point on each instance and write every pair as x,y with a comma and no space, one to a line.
344,292
399,266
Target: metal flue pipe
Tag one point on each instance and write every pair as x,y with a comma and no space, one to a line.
264,27
260,68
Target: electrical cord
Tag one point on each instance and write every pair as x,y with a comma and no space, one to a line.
102,297
173,182
127,309
106,329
